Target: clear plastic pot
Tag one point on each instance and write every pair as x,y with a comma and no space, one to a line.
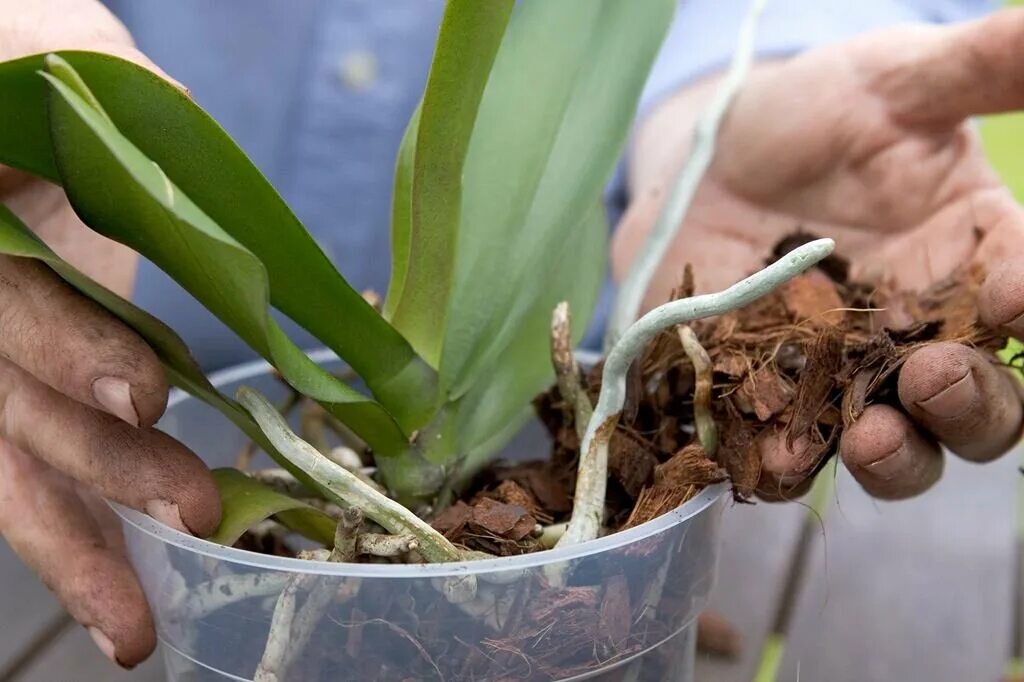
627,612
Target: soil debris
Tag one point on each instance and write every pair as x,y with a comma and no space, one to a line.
814,300
510,492
488,525
802,362
631,462
675,481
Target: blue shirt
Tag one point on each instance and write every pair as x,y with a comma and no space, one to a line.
318,93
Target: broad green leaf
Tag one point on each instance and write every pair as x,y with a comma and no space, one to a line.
470,34
202,161
493,404
551,126
24,131
401,218
125,196
245,502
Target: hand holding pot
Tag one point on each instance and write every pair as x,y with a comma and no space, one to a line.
79,390
868,142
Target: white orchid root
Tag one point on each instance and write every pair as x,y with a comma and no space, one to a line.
375,544
222,591
634,286
703,419
346,536
347,489
291,627
283,482
567,371
592,474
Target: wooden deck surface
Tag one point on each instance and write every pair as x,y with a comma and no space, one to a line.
926,590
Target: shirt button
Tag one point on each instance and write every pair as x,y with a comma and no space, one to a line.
357,70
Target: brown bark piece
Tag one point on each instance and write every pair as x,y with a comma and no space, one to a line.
503,520
549,484
675,482
824,360
741,460
812,299
452,522
689,466
630,462
856,396
510,492
766,393
616,613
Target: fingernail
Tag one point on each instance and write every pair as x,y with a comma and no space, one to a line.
103,643
954,400
890,466
116,396
167,513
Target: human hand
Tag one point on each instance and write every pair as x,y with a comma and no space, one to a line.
866,141
80,391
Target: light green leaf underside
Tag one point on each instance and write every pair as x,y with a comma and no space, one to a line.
469,37
245,503
490,405
205,164
551,126
125,196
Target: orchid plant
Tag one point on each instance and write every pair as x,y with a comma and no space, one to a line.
496,218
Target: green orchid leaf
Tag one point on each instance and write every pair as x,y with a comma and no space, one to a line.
24,131
490,405
468,41
551,126
202,162
246,502
401,214
127,197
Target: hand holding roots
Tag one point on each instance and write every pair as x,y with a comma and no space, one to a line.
592,475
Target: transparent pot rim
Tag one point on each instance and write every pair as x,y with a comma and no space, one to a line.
703,502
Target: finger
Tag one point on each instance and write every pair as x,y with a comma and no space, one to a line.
888,456
142,468
72,344
962,399
786,469
1001,299
939,76
48,526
